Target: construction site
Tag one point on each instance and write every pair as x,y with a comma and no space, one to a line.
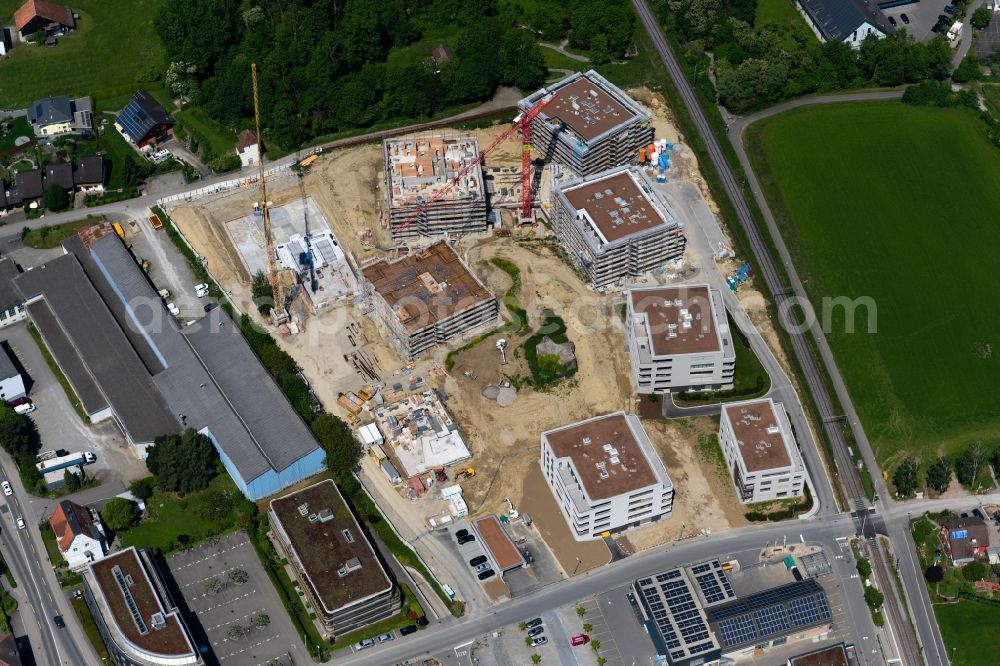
428,298
413,306
615,225
588,124
434,186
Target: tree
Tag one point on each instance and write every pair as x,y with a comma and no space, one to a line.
15,432
223,163
239,576
143,488
198,32
981,18
183,464
939,475
55,198
262,293
975,571
970,69
342,449
595,645
873,598
587,627
581,611
71,481
934,574
535,658
236,631
214,585
969,463
521,62
38,37
864,568
181,80
120,514
261,620
905,477
527,641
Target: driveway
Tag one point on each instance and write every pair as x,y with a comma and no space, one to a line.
59,427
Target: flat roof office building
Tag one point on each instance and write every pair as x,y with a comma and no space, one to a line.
679,339
615,225
589,125
760,451
605,475
339,570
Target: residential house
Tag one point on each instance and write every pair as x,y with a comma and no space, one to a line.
61,174
143,121
59,115
79,535
966,537
88,174
35,15
247,148
27,189
847,21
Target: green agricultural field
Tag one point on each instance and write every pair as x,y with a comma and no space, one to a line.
113,42
965,630
897,203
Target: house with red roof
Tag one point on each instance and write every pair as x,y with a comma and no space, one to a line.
35,15
78,533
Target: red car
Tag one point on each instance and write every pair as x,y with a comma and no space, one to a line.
23,400
580,639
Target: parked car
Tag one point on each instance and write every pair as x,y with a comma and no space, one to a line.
483,567
949,9
468,538
174,310
533,623
20,524
7,490
363,644
23,400
201,290
440,474
385,638
461,534
534,632
978,514
77,594
57,619
476,561
906,19
483,575
892,21
541,640
210,306
26,408
408,629
579,639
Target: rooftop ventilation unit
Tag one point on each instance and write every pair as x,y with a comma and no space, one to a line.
304,509
313,518
773,430
586,441
159,622
350,566
325,516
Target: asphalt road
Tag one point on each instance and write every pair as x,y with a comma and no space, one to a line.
782,292
42,599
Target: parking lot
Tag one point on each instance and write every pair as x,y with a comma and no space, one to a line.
923,15
542,568
228,612
168,268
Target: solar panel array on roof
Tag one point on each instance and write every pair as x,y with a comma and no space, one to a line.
765,615
671,603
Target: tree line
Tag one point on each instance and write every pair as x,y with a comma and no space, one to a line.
968,465
758,66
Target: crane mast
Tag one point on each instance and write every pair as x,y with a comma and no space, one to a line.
278,313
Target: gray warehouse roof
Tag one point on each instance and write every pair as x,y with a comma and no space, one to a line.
208,375
102,350
838,19
8,271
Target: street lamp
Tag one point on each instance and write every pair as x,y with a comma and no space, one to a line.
578,563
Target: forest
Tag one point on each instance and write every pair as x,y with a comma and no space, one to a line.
327,66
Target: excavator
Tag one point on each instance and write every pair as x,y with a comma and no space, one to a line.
466,473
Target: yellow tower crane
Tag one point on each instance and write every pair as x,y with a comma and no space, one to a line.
279,314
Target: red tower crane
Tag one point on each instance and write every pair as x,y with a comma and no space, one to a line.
522,122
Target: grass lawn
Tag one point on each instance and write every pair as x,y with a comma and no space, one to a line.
51,547
214,511
217,138
48,237
113,42
19,127
750,380
894,203
785,18
86,619
964,627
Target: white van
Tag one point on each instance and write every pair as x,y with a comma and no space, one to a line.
25,408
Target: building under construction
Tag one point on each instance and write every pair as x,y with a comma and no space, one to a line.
428,298
417,169
615,225
589,125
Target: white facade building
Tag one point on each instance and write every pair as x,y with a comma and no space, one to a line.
760,451
80,537
679,339
605,475
847,21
